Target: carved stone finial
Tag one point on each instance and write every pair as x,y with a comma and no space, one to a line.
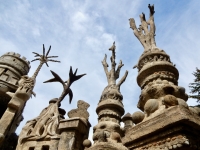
157,75
145,36
110,109
81,111
113,47
113,74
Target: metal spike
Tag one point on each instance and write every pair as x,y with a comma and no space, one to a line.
47,64
48,51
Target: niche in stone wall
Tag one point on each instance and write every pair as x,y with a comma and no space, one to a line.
45,147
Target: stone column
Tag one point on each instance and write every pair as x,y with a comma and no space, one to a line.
5,122
128,122
73,132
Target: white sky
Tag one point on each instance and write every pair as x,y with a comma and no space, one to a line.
80,33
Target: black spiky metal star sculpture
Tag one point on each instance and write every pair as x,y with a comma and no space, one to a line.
66,84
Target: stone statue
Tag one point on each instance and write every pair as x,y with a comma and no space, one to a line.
81,111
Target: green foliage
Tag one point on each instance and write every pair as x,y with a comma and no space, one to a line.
195,86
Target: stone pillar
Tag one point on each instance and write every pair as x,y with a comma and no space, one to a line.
15,106
5,122
73,132
128,122
12,67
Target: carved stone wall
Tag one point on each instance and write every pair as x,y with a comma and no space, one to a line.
176,128
12,67
50,131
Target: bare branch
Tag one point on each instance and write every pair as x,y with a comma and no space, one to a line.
52,56
48,51
35,59
43,50
118,70
113,64
113,47
134,28
132,24
146,38
152,25
105,66
53,60
47,64
122,79
144,24
151,8
36,54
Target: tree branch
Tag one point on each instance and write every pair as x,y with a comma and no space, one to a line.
105,66
144,24
122,79
117,72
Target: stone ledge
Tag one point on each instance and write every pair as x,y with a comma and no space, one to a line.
76,123
173,120
107,146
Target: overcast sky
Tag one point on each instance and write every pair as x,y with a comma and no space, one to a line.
80,33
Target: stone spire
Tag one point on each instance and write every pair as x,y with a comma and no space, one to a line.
111,97
157,75
107,133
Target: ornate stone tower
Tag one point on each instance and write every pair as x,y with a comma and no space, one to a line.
12,67
107,133
19,87
167,121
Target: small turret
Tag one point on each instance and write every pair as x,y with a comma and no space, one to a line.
12,67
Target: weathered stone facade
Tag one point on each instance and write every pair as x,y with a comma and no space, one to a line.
12,67
51,131
164,122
